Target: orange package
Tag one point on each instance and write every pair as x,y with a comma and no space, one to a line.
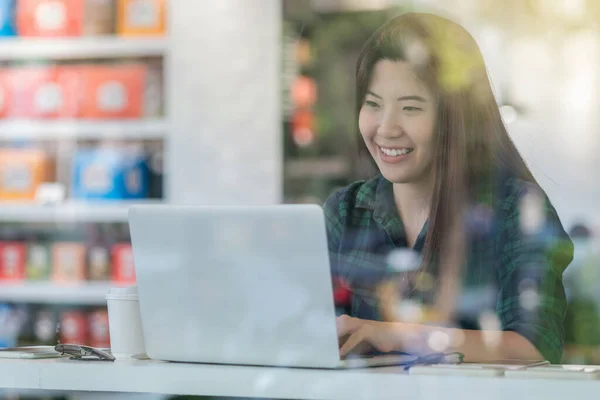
68,262
123,268
44,92
12,261
115,91
50,18
21,172
141,17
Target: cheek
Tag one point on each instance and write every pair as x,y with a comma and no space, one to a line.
366,125
426,135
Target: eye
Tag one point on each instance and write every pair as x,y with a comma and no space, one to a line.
412,109
371,104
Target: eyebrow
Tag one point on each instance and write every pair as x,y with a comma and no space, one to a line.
402,98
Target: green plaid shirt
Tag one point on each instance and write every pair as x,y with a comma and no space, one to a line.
509,270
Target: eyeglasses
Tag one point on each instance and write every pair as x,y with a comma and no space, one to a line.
84,353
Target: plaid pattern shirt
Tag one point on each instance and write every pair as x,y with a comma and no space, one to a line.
520,266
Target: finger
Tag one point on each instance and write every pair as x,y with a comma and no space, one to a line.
346,325
354,340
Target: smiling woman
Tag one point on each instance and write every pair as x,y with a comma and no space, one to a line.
453,188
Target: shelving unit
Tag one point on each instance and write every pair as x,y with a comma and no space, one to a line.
58,49
89,294
78,49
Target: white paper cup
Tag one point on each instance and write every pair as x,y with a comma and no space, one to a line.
124,323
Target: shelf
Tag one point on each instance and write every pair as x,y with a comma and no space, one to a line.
73,211
83,129
80,48
89,293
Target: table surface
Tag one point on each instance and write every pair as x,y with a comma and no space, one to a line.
265,382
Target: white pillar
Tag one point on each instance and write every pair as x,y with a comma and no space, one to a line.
223,101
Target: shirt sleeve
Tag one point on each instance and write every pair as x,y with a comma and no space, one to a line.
355,267
534,250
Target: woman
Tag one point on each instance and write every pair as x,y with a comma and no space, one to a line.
453,188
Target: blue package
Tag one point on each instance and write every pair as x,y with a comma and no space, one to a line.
8,330
110,174
7,18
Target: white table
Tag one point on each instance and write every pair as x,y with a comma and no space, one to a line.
239,381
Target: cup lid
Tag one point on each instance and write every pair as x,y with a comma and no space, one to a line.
122,292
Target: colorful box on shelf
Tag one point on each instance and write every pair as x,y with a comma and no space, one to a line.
43,322
111,173
123,268
69,262
98,329
5,92
65,18
73,327
114,91
117,91
42,92
7,18
12,261
141,17
50,18
13,321
38,262
38,325
99,17
98,263
64,260
21,172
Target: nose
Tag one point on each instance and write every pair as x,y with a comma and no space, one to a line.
389,125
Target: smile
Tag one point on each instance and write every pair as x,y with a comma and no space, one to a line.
396,152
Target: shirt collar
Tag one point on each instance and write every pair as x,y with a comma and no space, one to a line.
377,195
366,195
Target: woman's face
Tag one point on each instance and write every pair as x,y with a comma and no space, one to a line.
397,122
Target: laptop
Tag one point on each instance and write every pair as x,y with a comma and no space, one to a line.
238,285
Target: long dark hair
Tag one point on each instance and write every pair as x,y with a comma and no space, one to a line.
472,143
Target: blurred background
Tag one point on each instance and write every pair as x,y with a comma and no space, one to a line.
105,103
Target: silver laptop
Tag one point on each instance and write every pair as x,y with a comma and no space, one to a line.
237,285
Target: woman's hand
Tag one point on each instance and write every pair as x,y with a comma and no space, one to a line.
359,335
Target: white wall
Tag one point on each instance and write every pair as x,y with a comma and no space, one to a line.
224,103
559,134
556,83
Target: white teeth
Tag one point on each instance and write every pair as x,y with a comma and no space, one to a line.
395,152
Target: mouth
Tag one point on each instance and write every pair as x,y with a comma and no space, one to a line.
394,155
